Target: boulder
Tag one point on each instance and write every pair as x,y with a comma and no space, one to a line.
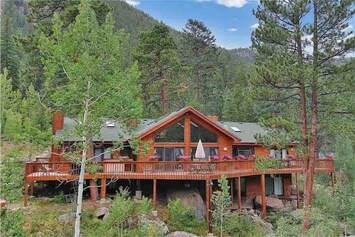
102,213
271,202
144,220
66,217
180,234
192,198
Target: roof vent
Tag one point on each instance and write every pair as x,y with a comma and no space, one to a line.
235,129
110,124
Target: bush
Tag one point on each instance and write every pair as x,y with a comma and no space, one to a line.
182,219
12,224
12,172
241,225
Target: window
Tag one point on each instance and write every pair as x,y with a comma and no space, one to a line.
245,151
173,133
209,151
102,153
278,154
198,132
169,153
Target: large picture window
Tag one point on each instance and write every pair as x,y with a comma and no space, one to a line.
173,133
209,151
169,153
245,151
198,132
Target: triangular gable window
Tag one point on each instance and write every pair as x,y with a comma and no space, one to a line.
173,133
198,132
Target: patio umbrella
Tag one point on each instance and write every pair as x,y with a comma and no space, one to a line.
200,152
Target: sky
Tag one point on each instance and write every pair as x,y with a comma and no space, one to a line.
231,21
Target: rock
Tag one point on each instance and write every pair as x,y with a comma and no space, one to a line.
191,198
271,202
102,213
180,234
144,220
266,225
66,217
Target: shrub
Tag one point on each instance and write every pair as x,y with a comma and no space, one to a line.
12,224
241,225
182,219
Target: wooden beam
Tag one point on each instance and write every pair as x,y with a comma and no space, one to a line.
154,193
232,191
103,188
297,192
332,178
25,197
239,194
208,205
32,184
263,198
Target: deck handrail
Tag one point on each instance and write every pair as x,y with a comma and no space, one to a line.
192,167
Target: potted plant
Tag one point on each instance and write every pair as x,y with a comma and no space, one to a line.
227,157
214,158
155,157
184,158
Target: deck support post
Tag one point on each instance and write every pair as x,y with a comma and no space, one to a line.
25,197
232,191
263,198
94,191
208,204
332,178
154,193
103,188
32,184
239,194
297,192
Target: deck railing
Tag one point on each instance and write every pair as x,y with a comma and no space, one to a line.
151,169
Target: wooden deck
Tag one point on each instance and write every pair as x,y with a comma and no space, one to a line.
163,170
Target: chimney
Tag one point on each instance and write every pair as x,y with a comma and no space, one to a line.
213,118
57,121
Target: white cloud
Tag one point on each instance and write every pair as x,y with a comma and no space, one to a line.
228,3
132,2
232,3
254,26
232,29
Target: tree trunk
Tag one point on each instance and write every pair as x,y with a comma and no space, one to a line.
309,179
163,93
82,172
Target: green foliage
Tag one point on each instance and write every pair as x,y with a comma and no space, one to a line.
240,224
12,171
11,224
60,198
161,70
181,218
222,202
264,163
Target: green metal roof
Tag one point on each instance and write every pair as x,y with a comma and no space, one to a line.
245,131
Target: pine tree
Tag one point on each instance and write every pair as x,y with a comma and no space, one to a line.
161,69
293,80
200,54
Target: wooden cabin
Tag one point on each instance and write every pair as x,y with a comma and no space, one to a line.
230,148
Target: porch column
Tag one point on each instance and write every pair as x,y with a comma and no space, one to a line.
208,205
297,192
32,184
154,193
232,191
263,198
239,194
94,191
103,188
25,197
332,178
187,135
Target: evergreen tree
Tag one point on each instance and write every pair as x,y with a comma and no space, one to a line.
161,70
292,80
200,54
